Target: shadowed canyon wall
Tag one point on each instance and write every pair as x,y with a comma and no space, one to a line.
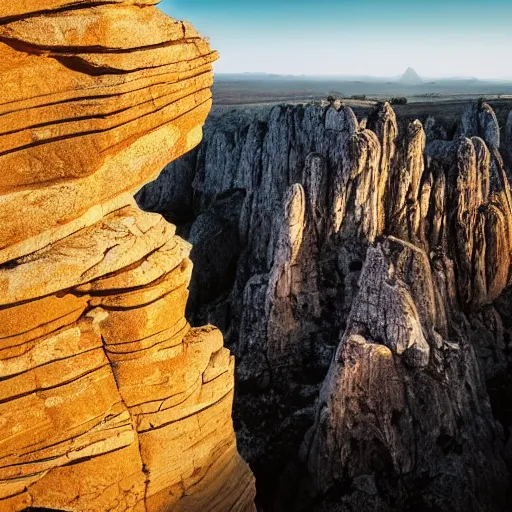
362,270
109,401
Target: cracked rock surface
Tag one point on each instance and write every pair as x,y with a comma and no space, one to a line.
109,400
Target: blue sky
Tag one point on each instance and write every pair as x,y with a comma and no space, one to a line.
438,38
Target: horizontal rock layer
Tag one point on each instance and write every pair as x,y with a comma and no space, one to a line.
109,399
98,114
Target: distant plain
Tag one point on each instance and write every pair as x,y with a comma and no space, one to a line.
248,88
441,98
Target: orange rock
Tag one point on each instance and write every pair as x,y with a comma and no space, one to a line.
25,7
98,28
113,481
31,315
108,399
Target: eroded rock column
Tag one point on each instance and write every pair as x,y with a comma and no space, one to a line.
109,400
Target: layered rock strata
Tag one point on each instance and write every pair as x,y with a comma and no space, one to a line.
109,399
369,305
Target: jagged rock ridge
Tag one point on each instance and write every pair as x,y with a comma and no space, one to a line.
109,399
368,302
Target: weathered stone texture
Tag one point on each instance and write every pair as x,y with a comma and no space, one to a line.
109,400
369,305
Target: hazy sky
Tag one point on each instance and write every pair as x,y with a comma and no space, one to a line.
438,38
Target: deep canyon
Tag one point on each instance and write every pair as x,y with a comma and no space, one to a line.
358,265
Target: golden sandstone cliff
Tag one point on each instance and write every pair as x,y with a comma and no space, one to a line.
109,400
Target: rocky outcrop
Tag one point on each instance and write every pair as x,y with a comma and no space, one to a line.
109,399
369,306
479,120
507,142
403,419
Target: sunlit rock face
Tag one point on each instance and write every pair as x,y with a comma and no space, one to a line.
109,400
369,304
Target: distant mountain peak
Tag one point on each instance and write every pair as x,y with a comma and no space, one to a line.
410,77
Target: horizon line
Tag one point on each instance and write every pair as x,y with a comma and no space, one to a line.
383,77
